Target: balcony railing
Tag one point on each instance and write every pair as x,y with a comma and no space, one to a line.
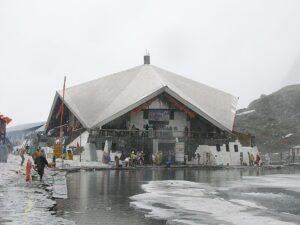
161,134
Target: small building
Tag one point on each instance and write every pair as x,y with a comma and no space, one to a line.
145,108
5,146
18,134
4,120
229,154
295,154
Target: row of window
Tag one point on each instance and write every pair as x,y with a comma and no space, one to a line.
236,148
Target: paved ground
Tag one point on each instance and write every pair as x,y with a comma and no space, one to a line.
28,203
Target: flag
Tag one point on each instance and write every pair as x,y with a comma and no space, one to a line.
60,111
7,120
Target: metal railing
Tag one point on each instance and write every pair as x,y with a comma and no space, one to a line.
161,134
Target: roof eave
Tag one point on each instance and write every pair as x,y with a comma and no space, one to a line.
197,110
85,125
129,108
51,110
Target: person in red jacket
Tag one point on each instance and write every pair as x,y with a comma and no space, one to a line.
28,170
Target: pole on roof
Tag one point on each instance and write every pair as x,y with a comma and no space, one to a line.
62,113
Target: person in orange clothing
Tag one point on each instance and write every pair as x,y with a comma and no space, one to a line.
28,170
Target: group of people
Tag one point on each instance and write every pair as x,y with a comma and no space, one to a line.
135,159
252,160
39,159
157,158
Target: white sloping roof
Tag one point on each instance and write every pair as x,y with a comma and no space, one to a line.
99,101
24,127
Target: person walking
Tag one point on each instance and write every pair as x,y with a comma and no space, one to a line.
40,162
22,154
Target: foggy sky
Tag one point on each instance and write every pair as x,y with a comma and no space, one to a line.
243,47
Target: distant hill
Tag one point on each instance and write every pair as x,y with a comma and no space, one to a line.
273,119
293,76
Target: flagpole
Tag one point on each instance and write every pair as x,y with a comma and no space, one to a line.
62,114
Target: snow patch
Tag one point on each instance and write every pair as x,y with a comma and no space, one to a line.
245,113
184,202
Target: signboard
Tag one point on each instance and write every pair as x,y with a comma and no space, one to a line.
57,150
159,115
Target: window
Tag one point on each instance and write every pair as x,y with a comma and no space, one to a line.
227,147
236,148
187,117
218,146
145,115
172,116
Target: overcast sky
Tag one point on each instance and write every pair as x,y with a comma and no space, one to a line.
243,47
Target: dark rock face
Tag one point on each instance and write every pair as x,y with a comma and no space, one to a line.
275,118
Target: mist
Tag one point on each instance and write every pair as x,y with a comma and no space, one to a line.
246,48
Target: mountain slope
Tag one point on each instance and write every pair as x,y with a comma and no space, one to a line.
273,119
293,76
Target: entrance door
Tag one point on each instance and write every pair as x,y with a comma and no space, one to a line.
168,151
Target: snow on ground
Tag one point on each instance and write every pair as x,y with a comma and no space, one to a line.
288,135
27,203
84,164
245,113
184,202
287,182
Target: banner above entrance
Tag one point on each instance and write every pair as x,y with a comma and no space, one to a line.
159,115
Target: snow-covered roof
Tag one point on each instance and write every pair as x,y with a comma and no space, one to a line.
24,127
98,102
41,129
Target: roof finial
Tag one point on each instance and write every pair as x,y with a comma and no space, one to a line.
147,57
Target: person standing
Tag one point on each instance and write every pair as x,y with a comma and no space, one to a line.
22,154
198,158
28,170
40,162
257,160
117,161
133,159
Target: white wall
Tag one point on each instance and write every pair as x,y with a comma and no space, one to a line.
296,150
231,158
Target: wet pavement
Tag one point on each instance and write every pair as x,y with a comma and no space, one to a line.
26,203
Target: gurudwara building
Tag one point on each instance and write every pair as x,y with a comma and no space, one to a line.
145,108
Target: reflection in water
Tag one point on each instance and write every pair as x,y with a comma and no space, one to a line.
102,197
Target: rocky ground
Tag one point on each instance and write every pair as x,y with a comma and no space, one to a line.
273,119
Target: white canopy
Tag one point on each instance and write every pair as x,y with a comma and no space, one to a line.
98,102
